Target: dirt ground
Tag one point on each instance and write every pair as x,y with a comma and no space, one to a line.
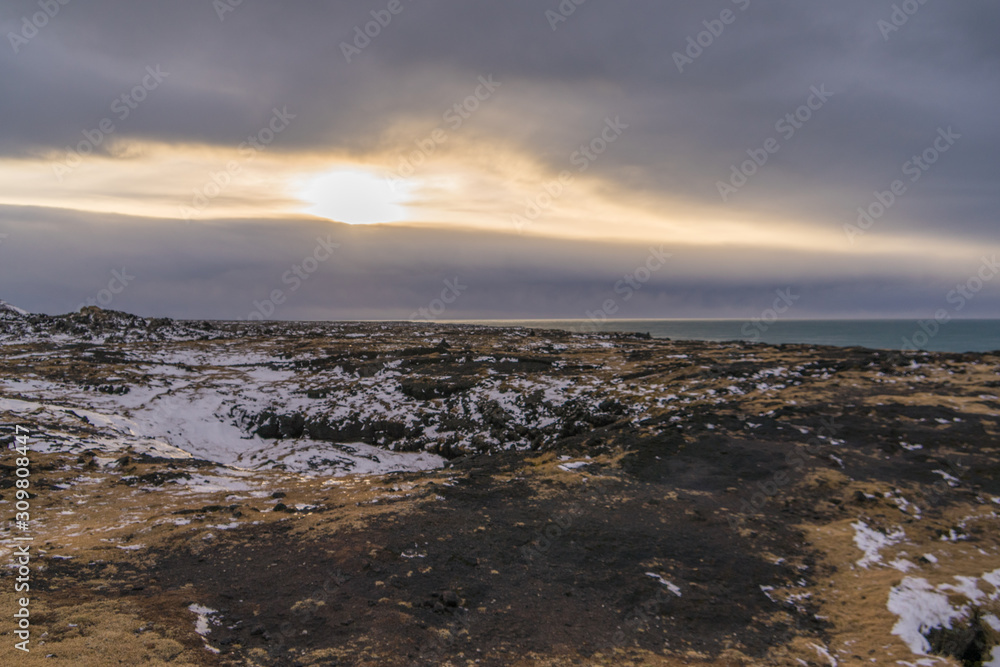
758,517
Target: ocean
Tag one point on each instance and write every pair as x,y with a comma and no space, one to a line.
950,336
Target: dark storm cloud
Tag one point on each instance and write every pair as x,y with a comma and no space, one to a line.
226,75
892,91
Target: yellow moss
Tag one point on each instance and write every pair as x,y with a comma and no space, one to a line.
107,633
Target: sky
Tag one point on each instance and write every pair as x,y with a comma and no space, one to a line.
418,159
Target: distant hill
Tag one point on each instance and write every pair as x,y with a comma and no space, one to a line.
9,312
94,324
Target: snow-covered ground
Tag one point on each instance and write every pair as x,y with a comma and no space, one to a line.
178,391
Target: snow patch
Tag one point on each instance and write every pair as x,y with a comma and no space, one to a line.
201,625
872,541
922,607
673,588
826,654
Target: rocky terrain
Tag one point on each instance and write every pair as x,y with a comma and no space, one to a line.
225,493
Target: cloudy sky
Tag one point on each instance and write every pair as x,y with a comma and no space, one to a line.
524,158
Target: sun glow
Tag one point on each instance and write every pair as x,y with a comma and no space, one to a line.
356,197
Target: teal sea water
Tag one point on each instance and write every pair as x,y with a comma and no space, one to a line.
950,336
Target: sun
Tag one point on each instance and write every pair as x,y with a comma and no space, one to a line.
356,196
